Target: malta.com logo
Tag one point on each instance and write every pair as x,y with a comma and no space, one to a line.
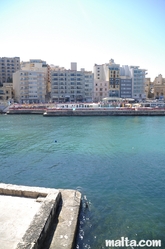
125,242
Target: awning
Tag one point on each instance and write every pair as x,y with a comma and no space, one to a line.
112,98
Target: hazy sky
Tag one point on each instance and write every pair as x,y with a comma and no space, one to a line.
132,32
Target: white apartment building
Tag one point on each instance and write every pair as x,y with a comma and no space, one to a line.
138,82
30,82
88,90
8,66
101,82
71,85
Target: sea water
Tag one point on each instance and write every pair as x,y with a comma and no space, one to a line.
118,163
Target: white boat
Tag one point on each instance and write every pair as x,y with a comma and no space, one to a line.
73,106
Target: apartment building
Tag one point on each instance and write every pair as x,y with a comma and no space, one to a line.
30,82
125,87
125,82
101,82
71,85
88,90
159,87
111,80
6,92
8,66
106,80
138,82
100,90
114,79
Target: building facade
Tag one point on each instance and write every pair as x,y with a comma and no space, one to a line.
138,82
8,66
125,82
159,87
111,80
71,85
125,87
6,92
114,79
149,88
88,90
30,82
101,82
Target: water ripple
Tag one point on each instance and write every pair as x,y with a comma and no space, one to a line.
118,162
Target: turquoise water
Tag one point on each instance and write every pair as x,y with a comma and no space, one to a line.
117,162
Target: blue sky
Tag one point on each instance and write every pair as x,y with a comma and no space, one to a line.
132,32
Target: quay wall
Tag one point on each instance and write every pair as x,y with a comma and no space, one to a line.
91,112
106,113
25,111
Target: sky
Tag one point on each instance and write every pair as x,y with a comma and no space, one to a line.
132,32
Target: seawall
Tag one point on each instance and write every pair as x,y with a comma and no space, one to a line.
91,112
25,111
105,112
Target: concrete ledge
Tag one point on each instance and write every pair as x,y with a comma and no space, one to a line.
37,230
64,236
25,191
45,214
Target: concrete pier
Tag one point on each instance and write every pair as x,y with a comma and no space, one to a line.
38,218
